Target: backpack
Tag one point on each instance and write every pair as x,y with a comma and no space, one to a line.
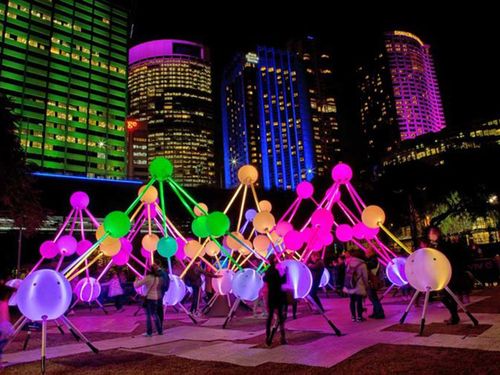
374,279
351,277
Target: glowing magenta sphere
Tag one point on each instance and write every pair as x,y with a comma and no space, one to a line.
298,277
293,240
326,236
180,254
325,278
395,271
79,200
341,173
305,190
125,245
13,283
344,233
322,218
247,284
315,242
428,268
223,284
87,289
283,227
145,253
122,257
82,246
176,291
358,231
49,249
44,293
67,245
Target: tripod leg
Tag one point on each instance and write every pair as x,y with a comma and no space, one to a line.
471,317
26,340
102,307
386,292
44,342
18,327
310,301
424,311
231,312
188,313
59,327
413,299
77,331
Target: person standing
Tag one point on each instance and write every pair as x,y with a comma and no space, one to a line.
193,279
374,284
275,299
316,266
115,290
152,283
165,284
356,283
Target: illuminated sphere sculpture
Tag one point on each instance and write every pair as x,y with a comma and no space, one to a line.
294,240
428,268
150,242
67,245
305,190
13,283
250,214
265,205
298,277
325,278
161,168
87,289
395,271
167,246
248,175
110,246
341,173
198,210
79,200
373,216
199,227
344,232
82,246
212,249
217,223
44,293
264,222
150,196
176,291
117,224
223,284
49,249
247,284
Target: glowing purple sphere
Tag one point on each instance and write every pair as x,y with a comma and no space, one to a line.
79,200
298,277
250,214
176,291
341,173
87,289
44,293
247,284
395,271
305,190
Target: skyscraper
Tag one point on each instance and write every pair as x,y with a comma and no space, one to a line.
317,63
63,64
399,92
266,119
170,90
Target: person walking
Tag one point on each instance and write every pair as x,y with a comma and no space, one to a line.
275,299
317,267
152,284
356,283
375,282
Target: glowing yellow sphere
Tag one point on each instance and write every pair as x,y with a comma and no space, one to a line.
191,248
248,175
373,216
265,206
244,250
212,249
428,268
150,196
264,222
261,244
150,242
232,243
110,246
100,232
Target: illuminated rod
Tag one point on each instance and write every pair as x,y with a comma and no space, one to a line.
394,238
242,206
255,197
181,198
134,271
347,213
196,255
186,194
232,199
349,186
246,247
294,203
78,261
92,218
81,225
106,269
132,218
355,201
139,261
86,267
139,197
64,225
73,223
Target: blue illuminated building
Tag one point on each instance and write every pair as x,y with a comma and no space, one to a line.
266,119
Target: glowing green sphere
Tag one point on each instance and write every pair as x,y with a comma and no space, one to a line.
217,223
161,168
199,227
117,224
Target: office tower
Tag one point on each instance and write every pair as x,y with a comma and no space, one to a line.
170,91
63,64
266,119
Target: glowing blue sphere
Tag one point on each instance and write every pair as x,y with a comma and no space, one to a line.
395,271
298,277
247,284
44,293
325,278
176,291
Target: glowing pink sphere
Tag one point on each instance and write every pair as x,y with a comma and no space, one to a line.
370,233
305,190
341,173
322,218
122,258
283,227
180,254
67,245
49,249
359,230
294,240
82,246
326,236
79,200
125,245
315,242
344,233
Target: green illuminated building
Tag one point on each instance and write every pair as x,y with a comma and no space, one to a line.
63,63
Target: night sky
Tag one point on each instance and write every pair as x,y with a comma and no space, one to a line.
464,42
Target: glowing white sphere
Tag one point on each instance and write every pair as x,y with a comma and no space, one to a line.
223,284
247,284
298,277
87,289
395,271
176,291
325,278
428,268
44,293
14,283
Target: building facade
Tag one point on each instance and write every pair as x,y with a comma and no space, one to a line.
266,119
170,90
63,64
317,63
400,97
